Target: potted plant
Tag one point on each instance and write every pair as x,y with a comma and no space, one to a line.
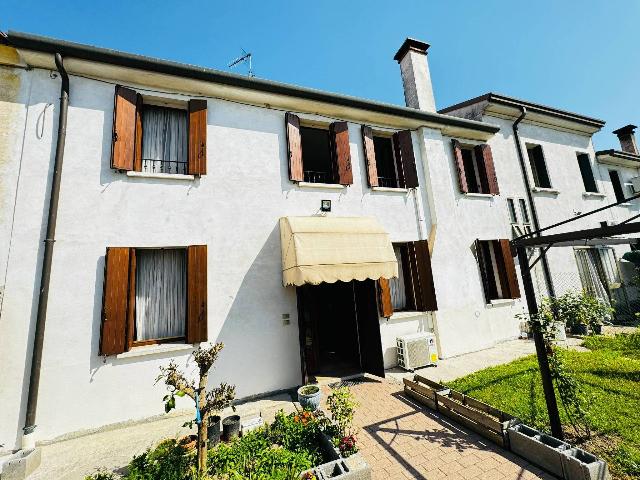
309,397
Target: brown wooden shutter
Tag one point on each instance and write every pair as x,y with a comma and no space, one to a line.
484,155
487,280
341,152
124,129
115,301
137,156
294,147
510,270
384,298
426,295
457,156
197,162
369,156
197,293
408,159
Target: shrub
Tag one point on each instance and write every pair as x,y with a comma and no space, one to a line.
347,446
342,406
255,456
103,475
298,432
170,460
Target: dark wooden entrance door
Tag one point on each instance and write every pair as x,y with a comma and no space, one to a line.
342,317
368,328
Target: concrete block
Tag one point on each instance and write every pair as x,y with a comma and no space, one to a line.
352,468
580,465
540,449
21,464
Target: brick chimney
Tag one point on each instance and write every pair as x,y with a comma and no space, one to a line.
418,92
627,139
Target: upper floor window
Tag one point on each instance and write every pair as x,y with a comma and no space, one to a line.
476,171
318,155
164,139
160,139
390,159
616,183
586,171
538,166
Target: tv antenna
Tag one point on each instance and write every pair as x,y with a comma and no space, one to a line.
244,58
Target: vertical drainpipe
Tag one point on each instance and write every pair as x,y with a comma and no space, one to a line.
43,297
534,213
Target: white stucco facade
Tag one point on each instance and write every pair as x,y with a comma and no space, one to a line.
234,209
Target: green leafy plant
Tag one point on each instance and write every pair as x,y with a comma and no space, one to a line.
347,445
170,460
103,475
207,402
309,389
342,406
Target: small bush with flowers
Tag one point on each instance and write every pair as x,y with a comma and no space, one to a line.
348,446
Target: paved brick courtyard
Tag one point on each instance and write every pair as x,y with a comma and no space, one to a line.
400,439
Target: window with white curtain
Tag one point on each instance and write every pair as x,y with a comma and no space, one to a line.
164,140
161,294
396,285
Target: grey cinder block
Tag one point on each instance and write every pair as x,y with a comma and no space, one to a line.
581,465
21,464
540,449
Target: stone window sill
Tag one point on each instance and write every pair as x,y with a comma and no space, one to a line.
502,301
404,315
545,190
163,176
157,349
390,189
479,195
593,194
328,186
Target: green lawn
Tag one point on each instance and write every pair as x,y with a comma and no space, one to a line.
609,375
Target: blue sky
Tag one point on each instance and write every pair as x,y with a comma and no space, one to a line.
579,55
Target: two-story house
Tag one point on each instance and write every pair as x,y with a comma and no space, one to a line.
304,229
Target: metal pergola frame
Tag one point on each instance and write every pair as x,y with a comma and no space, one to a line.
589,237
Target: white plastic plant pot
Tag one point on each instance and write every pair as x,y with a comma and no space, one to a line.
580,465
560,332
539,448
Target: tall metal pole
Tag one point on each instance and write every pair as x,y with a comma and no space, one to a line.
541,351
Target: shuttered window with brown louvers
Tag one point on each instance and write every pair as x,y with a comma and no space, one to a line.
510,269
369,156
294,147
341,152
385,306
484,159
459,162
197,162
115,302
124,129
197,293
425,290
404,145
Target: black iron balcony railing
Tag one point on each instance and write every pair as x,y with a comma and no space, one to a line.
151,165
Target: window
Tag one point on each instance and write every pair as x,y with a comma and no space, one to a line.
158,139
413,290
318,155
513,215
524,213
476,172
538,167
389,171
617,185
497,269
153,296
164,140
161,295
587,173
390,159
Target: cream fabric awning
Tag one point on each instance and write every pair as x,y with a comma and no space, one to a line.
328,249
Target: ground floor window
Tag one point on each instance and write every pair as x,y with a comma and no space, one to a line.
161,294
597,269
497,269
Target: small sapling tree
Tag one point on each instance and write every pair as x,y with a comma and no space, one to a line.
207,402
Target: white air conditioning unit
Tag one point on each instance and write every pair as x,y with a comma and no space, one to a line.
635,184
416,350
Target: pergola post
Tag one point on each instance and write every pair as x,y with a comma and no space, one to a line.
541,351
